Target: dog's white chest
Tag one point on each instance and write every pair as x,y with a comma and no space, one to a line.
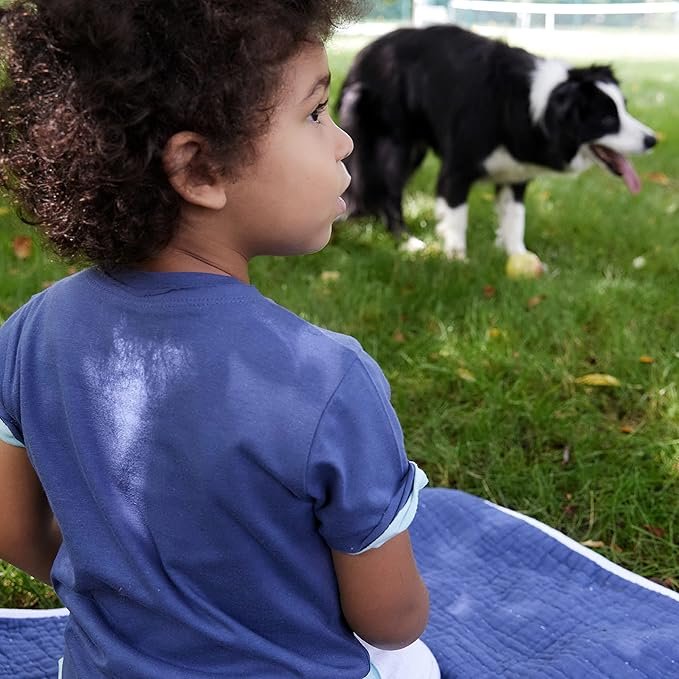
503,168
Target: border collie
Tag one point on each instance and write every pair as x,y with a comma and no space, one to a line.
489,111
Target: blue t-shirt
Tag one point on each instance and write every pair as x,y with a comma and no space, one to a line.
202,449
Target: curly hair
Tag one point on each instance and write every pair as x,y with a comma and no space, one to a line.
91,91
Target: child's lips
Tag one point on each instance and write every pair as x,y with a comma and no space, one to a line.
341,203
347,179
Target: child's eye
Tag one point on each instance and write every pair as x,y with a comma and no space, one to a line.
318,111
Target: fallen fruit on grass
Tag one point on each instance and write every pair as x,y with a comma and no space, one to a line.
524,265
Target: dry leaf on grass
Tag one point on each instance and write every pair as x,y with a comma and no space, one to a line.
330,276
535,300
593,544
22,246
466,375
655,530
646,359
570,510
598,380
658,178
566,456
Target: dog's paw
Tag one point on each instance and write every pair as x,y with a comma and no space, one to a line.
413,245
456,254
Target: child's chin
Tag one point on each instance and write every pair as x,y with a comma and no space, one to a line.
307,247
320,242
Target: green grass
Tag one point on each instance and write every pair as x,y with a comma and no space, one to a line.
483,381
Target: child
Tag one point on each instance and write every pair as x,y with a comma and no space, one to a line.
223,485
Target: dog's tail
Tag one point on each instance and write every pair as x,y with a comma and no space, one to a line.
358,116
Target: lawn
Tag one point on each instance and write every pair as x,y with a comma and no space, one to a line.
484,370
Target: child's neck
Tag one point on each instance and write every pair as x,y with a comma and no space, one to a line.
201,243
179,258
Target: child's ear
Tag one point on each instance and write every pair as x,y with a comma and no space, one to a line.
184,162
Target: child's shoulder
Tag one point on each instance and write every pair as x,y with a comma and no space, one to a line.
323,350
31,318
315,336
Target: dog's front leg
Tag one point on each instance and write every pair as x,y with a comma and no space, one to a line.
452,213
511,214
451,228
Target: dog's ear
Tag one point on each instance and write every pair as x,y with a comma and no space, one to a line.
562,108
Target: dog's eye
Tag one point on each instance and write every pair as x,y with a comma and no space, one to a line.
609,122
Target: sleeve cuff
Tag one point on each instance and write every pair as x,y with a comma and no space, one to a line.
406,514
7,436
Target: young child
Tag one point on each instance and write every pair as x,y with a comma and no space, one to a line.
215,487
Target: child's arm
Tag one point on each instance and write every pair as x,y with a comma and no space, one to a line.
29,534
383,597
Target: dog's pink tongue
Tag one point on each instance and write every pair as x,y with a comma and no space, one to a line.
628,173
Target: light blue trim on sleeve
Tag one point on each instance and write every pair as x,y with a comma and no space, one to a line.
374,673
406,514
7,436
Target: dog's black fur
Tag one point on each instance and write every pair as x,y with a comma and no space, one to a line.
465,96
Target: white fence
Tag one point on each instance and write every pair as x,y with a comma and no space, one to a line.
424,14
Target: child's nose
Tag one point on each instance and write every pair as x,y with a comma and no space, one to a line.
345,144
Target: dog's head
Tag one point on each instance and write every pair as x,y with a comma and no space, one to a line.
585,116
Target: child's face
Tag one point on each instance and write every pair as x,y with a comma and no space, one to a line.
286,201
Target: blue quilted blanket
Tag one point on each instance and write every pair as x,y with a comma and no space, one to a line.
31,643
514,598
510,597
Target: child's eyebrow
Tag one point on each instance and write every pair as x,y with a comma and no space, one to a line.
321,84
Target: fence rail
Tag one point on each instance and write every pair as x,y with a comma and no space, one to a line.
423,13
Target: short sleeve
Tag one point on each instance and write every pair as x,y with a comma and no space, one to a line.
6,433
10,430
358,475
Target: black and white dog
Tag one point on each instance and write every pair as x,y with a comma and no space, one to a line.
489,111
